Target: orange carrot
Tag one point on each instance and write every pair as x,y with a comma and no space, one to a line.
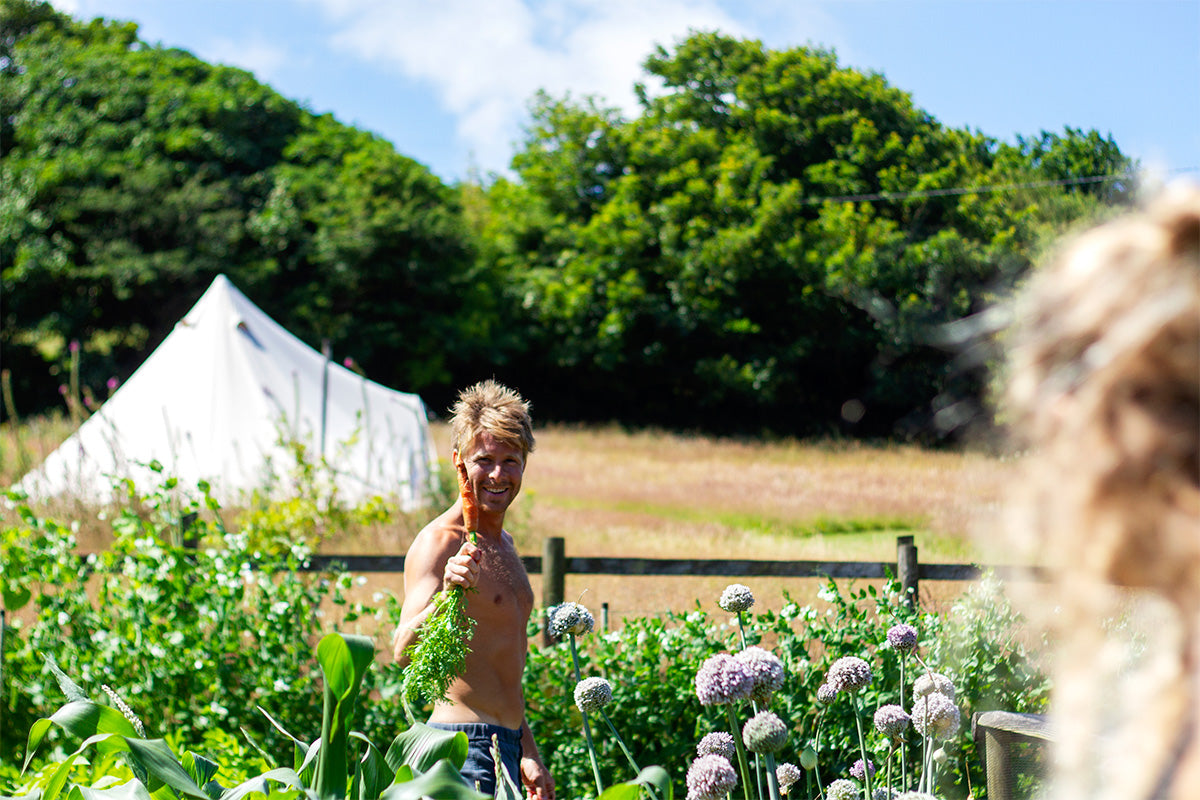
470,508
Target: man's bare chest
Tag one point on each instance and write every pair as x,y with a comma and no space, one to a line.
503,584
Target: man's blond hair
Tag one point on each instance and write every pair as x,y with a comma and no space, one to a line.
493,407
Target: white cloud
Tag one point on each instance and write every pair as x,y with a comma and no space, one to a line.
486,60
264,59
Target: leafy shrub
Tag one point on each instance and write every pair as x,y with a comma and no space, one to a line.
202,635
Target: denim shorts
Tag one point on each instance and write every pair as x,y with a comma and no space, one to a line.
479,769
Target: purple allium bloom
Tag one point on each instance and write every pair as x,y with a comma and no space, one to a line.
902,638
710,777
826,694
111,384
891,720
786,774
849,674
735,598
859,771
722,680
592,694
929,682
764,733
765,668
936,716
841,789
719,743
570,618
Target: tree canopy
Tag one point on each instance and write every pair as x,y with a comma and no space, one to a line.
775,243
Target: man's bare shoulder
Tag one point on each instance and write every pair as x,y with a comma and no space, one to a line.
437,541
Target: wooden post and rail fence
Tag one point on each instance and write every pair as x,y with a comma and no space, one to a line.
554,565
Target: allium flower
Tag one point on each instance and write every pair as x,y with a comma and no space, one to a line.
719,743
936,716
571,618
929,682
765,668
841,789
891,720
915,796
722,680
735,598
902,638
826,694
808,758
710,777
849,674
883,793
786,774
592,694
764,733
859,771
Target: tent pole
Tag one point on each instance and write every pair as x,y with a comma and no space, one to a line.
326,352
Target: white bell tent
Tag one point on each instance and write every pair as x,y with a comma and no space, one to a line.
221,399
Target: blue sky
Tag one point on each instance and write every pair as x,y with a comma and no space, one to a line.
448,81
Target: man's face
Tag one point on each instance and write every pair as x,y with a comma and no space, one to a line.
494,470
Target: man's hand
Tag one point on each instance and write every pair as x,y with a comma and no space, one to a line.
462,568
539,785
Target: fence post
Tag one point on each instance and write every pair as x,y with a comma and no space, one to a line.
907,570
554,567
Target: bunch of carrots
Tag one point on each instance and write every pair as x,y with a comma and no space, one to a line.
439,655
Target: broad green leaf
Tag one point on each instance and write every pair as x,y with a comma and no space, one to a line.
344,660
199,769
371,775
262,784
162,765
36,733
442,782
131,790
300,754
83,718
421,746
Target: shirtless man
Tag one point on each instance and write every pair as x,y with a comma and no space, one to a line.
492,434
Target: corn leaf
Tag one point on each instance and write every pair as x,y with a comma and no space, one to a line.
420,747
442,782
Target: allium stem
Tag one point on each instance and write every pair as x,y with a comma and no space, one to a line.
772,778
903,748
587,731
741,630
628,755
862,744
743,765
817,750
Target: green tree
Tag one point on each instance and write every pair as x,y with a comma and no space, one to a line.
135,174
773,236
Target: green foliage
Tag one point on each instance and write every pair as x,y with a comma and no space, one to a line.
421,762
134,174
202,635
651,664
712,254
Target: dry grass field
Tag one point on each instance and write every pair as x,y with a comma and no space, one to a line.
657,495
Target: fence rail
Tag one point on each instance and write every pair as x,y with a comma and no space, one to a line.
554,565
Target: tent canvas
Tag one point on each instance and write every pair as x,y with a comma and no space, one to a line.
219,400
